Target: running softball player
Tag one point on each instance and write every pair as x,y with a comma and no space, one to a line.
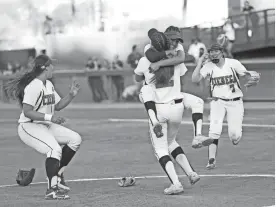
174,48
226,95
40,128
169,112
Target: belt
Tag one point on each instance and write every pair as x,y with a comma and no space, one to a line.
233,99
176,101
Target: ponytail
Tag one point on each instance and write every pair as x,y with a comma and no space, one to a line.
15,87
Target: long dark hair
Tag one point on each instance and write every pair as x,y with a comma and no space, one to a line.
15,87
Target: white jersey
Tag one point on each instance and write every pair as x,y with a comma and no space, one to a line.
224,82
42,97
166,81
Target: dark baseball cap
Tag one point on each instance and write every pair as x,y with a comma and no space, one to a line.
174,35
215,46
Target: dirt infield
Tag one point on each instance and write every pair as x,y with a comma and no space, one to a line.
111,149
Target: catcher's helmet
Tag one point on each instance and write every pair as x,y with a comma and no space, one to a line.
159,40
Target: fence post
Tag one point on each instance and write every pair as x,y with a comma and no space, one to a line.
266,27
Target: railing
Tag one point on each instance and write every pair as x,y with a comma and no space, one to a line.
260,23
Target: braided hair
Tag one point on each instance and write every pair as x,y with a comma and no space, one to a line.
15,87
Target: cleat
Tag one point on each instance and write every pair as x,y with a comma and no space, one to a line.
158,130
194,178
54,193
62,185
236,141
211,164
200,141
174,189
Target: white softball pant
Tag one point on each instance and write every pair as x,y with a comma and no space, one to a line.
170,117
235,113
48,138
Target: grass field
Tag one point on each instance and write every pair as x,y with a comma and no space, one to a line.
114,148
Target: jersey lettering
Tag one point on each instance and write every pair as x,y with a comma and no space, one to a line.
224,80
49,99
164,77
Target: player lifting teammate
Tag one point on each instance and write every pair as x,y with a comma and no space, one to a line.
226,95
168,102
173,56
40,128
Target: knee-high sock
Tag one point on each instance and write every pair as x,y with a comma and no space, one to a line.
66,157
52,165
212,150
197,121
180,157
168,167
151,109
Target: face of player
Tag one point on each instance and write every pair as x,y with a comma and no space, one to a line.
174,43
49,71
215,56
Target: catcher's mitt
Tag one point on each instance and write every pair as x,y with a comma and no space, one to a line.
25,177
253,79
127,181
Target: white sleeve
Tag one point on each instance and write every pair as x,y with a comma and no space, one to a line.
139,70
205,70
179,47
32,93
183,69
239,68
148,46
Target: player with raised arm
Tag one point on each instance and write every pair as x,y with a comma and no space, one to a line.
40,128
226,95
177,57
168,100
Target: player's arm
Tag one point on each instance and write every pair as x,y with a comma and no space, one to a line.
154,56
61,103
178,59
139,74
200,72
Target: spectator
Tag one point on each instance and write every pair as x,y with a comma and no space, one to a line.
9,69
96,82
251,17
194,49
134,57
30,63
229,31
48,25
118,80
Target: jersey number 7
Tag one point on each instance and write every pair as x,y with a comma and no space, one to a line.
232,86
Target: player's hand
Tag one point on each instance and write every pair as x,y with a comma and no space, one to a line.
154,67
203,58
58,119
74,89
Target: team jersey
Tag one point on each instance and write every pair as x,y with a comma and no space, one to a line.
224,82
166,80
42,97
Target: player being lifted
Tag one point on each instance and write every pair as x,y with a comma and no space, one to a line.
40,128
169,112
158,59
226,95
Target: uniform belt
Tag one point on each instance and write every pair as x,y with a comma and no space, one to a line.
233,99
176,101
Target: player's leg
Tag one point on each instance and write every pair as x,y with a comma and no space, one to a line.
148,97
160,146
217,113
235,113
71,141
39,138
175,117
196,104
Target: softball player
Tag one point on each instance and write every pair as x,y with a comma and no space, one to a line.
226,96
169,111
40,128
189,101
